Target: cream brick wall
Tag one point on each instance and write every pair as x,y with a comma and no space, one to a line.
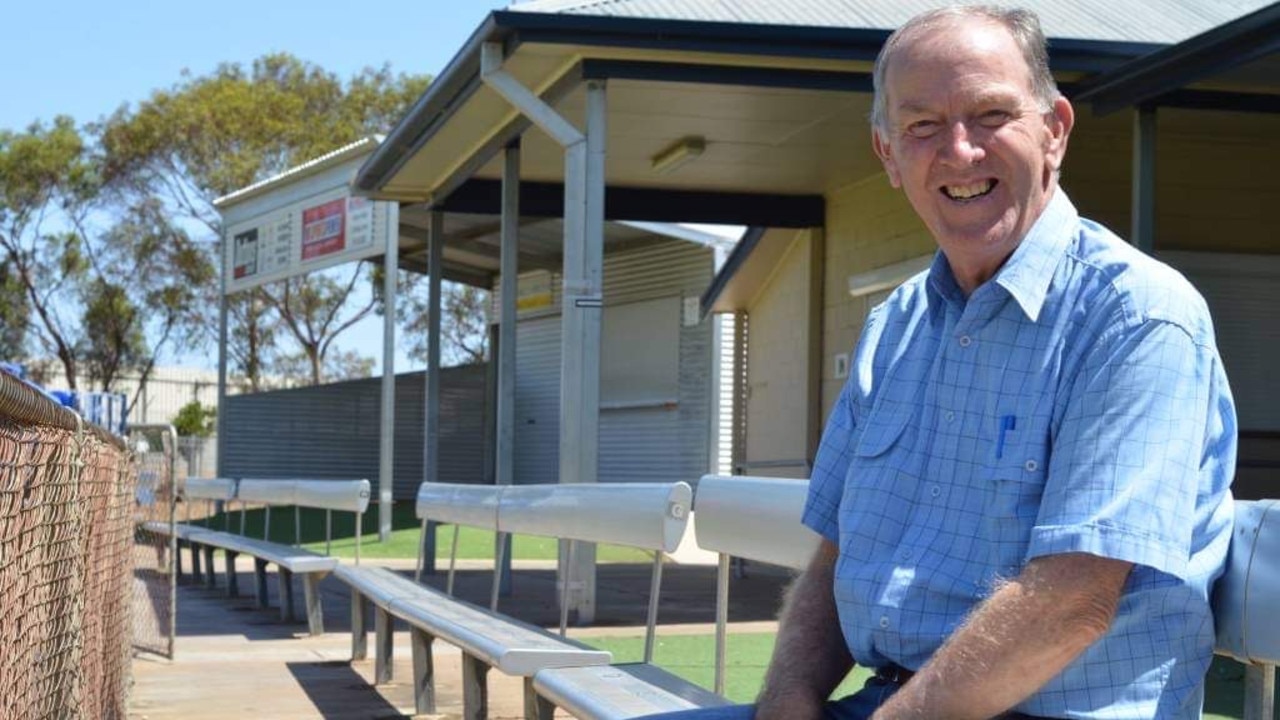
869,225
777,406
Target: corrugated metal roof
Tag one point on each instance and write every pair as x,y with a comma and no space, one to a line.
360,147
1152,21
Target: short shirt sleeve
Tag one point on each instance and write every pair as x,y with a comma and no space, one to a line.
1123,474
826,484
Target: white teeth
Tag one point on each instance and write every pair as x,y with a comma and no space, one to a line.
964,192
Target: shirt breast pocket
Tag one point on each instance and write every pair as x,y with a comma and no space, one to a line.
1017,481
880,488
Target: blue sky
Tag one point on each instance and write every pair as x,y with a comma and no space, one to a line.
85,59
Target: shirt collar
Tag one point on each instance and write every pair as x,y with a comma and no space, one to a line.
1027,273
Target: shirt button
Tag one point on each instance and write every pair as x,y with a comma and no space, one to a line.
884,622
965,340
950,416
935,491
1031,466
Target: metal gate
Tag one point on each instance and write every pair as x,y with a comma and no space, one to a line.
154,543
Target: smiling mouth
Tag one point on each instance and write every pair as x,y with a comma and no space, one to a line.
972,191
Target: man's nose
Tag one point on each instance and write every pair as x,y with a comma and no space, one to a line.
961,147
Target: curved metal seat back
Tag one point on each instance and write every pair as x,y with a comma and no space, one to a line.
652,516
755,518
1247,596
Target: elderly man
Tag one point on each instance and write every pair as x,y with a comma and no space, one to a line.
1024,486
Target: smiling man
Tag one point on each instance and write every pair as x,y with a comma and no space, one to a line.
1024,486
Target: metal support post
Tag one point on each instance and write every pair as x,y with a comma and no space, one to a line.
386,432
506,445
1144,178
431,455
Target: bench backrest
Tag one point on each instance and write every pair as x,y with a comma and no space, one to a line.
344,495
651,516
459,504
1247,596
209,489
755,518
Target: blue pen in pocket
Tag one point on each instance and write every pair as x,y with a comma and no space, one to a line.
1007,423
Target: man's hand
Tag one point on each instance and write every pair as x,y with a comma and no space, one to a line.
810,658
1021,637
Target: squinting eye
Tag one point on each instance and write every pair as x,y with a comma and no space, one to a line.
922,128
993,118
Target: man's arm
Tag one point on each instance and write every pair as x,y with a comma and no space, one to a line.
810,658
1022,636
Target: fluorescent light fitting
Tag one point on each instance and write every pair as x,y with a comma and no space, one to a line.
684,151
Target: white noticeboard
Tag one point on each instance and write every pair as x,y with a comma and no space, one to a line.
320,231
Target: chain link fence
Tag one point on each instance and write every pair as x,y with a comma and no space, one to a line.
154,544
67,493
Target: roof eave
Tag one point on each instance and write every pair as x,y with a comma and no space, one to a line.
1221,48
460,78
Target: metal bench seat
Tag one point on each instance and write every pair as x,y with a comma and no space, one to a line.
487,639
288,560
286,556
618,692
379,586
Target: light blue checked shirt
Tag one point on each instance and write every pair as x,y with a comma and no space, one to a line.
1073,403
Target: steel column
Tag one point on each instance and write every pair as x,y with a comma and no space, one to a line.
387,427
1143,231
431,454
509,272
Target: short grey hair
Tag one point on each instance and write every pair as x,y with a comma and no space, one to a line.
1022,24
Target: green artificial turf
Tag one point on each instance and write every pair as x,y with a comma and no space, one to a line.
693,658
473,543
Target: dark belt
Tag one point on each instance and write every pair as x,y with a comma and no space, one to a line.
895,674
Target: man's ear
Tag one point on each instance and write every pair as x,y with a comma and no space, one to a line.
1059,121
885,152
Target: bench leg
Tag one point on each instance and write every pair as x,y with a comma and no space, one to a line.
311,594
260,582
383,644
196,574
286,594
177,560
1259,692
233,587
424,673
475,689
359,634
536,707
210,572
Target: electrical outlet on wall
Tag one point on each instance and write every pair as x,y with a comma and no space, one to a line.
842,366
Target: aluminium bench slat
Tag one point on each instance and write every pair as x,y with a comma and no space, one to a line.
181,530
294,559
618,692
379,584
511,646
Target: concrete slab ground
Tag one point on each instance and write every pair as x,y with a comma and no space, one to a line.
233,659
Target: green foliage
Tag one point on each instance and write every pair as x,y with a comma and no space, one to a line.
210,135
49,181
196,420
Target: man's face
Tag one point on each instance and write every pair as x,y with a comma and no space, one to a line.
968,142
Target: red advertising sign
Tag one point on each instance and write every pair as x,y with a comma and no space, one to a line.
324,229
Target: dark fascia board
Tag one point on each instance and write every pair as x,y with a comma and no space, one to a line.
1224,47
461,77
543,199
736,259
